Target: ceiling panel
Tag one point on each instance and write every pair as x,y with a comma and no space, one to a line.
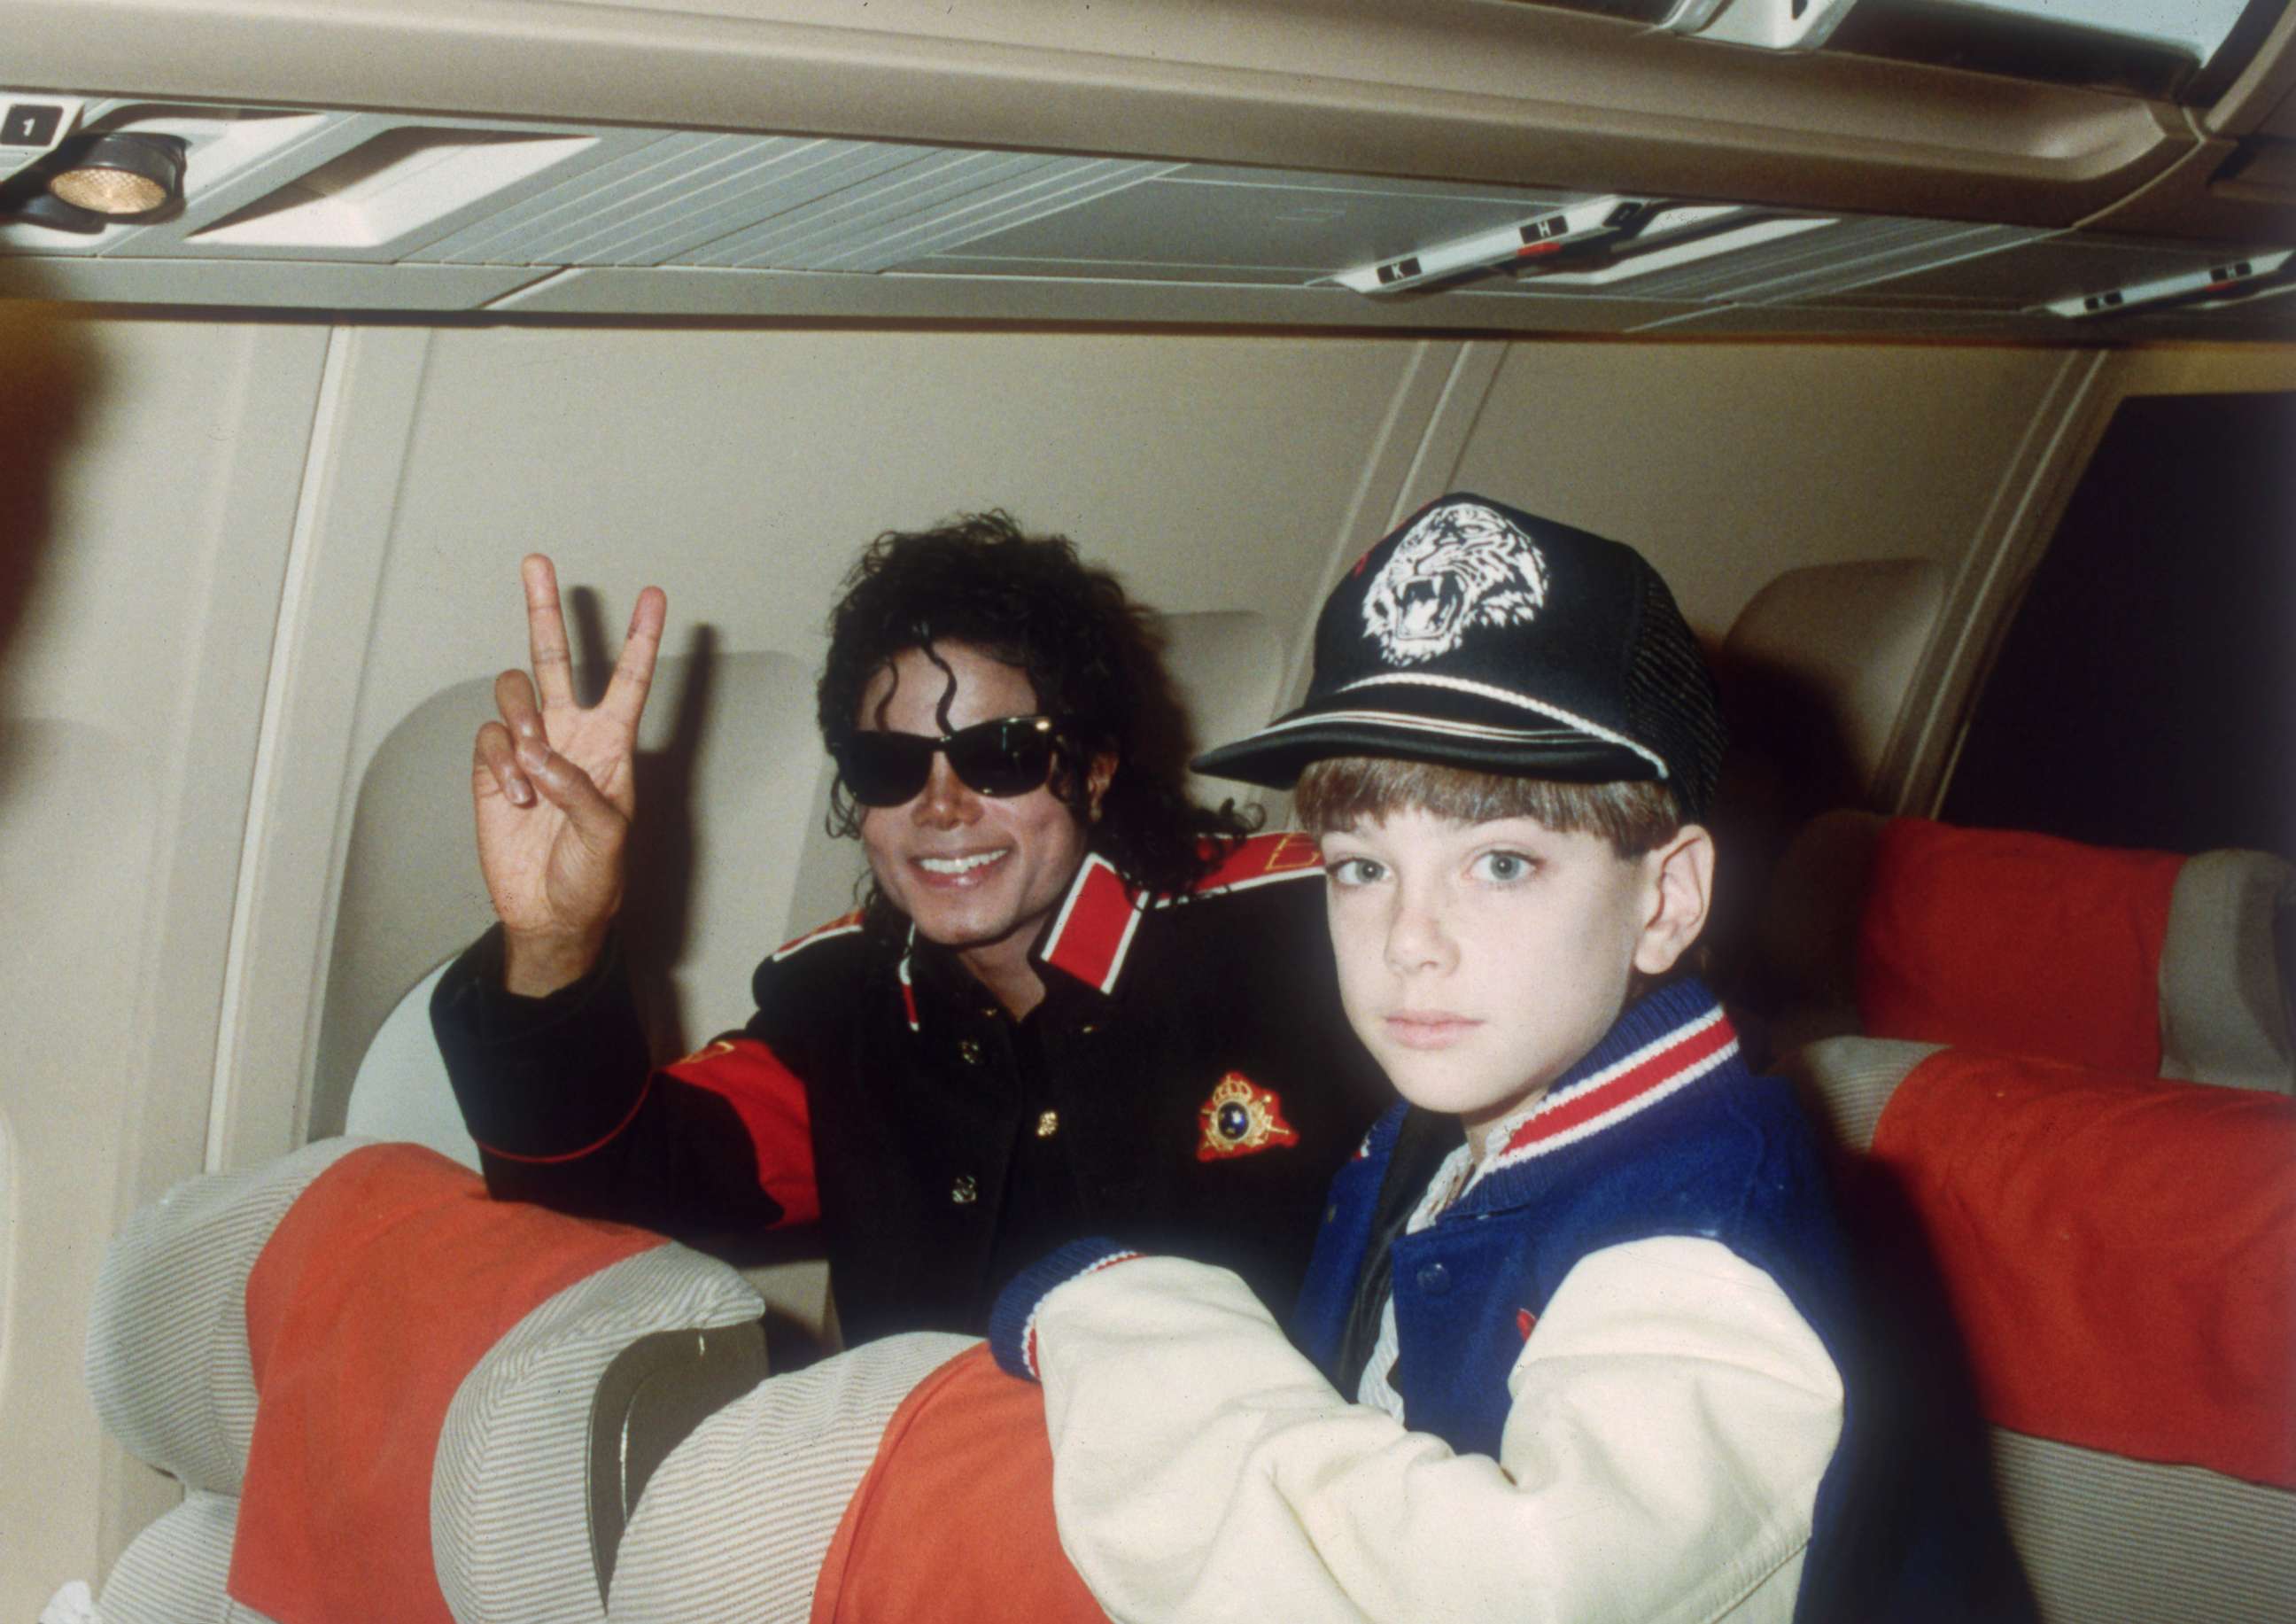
668,197
893,229
1300,226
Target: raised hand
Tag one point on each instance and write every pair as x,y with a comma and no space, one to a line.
552,785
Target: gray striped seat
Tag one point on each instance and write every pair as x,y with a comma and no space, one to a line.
510,1529
735,1522
168,1367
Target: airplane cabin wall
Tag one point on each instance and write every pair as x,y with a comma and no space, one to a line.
252,555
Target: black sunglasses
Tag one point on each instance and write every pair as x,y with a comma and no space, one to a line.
1010,756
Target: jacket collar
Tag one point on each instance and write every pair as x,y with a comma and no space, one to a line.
1657,1048
1087,941
1091,936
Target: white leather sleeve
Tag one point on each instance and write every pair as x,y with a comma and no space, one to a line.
1671,1415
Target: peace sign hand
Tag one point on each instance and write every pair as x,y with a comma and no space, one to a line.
553,786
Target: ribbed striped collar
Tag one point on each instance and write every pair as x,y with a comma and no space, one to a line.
1658,1047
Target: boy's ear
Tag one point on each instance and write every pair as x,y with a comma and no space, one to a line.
1681,876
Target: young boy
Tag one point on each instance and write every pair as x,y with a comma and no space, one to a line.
1583,1286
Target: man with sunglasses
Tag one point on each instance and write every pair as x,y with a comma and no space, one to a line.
1073,1002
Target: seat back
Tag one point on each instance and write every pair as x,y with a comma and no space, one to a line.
385,1380
2115,1251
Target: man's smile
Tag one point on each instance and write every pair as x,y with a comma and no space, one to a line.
966,868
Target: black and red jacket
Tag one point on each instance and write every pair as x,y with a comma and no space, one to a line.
1189,1084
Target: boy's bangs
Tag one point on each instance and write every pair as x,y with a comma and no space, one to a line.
1635,816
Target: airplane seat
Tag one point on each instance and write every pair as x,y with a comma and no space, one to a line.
2137,961
747,1507
2111,1251
168,1368
2060,1075
167,1362
400,1091
1816,668
720,806
176,1570
1813,676
352,1355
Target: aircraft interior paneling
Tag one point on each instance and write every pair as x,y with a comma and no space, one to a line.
264,494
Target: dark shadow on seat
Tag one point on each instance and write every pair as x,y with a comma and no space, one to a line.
1912,1362
1790,759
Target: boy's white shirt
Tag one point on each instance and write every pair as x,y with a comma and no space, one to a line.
1671,1415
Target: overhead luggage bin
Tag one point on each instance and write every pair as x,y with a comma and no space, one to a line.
336,209
1483,91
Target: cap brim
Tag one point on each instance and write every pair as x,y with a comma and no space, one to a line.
1466,733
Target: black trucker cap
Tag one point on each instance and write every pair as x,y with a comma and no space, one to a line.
1475,636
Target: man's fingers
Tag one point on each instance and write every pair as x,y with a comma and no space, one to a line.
514,699
493,757
566,786
546,630
626,695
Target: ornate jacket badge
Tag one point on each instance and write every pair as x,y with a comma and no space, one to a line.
1242,1118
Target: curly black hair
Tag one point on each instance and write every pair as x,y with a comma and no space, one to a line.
1094,659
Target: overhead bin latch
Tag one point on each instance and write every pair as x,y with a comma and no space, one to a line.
2223,283
1767,25
1522,243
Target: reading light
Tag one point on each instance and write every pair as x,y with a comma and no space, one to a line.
120,177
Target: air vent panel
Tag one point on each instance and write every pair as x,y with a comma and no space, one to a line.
389,187
669,198
944,199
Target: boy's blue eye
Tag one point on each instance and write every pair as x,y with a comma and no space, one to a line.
1504,868
1353,871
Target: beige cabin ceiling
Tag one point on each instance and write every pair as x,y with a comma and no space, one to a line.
1142,164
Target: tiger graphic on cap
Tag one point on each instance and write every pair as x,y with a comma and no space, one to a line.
1460,566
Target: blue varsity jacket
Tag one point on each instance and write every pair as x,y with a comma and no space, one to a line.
1660,1131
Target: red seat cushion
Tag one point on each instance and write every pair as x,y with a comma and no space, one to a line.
2120,1253
954,1519
386,1283
2019,943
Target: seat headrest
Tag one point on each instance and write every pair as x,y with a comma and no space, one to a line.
391,1369
1822,658
2140,961
167,1335
2224,974
2020,943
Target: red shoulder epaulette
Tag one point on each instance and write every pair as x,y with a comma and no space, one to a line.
844,925
1260,860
